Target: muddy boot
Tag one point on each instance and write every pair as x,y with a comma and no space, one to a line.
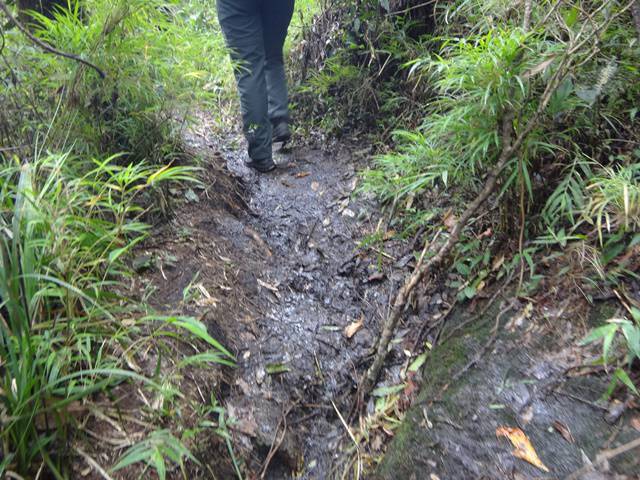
281,133
263,165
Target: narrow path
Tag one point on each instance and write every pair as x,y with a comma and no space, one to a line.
271,264
315,286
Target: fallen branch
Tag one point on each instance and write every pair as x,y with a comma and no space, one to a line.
421,270
45,46
604,457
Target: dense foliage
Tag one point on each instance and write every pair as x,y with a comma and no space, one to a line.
445,78
83,161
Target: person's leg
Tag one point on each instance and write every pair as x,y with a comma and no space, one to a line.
241,24
276,16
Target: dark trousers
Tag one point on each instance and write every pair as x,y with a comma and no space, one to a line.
255,31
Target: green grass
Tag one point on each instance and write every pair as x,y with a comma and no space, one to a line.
82,163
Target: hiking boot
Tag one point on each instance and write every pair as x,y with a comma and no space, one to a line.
263,165
281,132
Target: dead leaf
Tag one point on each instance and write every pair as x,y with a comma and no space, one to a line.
518,320
272,288
377,443
635,423
563,430
541,67
375,277
353,328
524,450
497,263
302,174
486,234
449,220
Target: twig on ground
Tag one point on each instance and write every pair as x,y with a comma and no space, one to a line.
581,400
604,457
93,464
277,442
526,23
353,439
45,46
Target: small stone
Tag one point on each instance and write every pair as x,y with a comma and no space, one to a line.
260,374
347,212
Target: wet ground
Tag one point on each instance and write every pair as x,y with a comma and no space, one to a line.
303,365
531,376
271,263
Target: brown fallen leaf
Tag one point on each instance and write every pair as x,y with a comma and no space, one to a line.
524,450
449,220
353,328
375,277
389,234
302,174
563,430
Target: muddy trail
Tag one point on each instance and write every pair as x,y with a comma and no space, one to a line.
271,264
275,267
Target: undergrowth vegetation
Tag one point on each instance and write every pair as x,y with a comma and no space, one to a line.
84,162
445,78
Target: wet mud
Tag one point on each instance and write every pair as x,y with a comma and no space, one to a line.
313,284
272,264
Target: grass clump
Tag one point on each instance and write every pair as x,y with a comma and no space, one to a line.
83,161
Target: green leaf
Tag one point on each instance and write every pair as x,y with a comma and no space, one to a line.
199,330
469,292
632,335
570,16
386,391
276,368
621,375
158,463
598,333
418,362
